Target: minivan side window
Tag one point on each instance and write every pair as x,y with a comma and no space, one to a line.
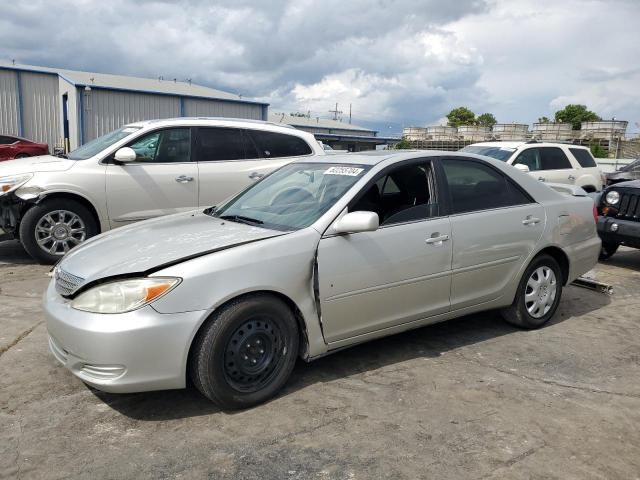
584,157
474,186
273,145
172,145
219,144
553,158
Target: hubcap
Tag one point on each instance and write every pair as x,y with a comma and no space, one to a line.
59,231
254,354
540,292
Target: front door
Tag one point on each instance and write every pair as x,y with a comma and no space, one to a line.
162,180
547,164
397,274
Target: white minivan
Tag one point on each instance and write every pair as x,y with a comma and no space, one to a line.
140,171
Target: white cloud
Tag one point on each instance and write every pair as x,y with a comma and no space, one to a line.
396,61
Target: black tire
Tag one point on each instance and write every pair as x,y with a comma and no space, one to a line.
33,216
269,328
517,314
22,155
607,250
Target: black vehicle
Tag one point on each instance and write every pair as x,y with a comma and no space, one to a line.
626,173
619,217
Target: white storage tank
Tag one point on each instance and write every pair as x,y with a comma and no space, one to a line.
510,131
442,133
474,133
415,134
552,131
605,129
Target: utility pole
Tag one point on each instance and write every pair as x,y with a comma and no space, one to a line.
349,114
335,112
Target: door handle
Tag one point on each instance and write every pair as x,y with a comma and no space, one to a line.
184,179
530,221
256,175
571,177
542,179
436,239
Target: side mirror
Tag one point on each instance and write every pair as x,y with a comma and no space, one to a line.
125,155
355,222
522,167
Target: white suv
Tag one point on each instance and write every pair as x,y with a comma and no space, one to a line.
548,162
140,171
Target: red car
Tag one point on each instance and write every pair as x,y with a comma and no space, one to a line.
16,147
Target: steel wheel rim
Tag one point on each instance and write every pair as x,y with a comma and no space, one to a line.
59,231
254,354
540,292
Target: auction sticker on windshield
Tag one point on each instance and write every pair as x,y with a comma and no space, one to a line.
349,171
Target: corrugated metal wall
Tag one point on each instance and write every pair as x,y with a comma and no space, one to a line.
41,108
194,107
8,103
106,110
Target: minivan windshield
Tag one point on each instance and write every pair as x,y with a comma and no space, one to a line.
97,145
292,197
499,153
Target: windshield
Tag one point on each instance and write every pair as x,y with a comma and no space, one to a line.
293,197
632,167
94,147
499,153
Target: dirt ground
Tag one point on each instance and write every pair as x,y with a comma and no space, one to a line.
470,398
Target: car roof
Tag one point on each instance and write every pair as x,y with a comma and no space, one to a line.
217,121
374,157
518,144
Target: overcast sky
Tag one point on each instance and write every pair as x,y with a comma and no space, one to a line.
398,62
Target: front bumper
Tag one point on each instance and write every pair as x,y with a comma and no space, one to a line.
628,232
130,352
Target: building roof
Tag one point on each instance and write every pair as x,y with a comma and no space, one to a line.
123,82
315,122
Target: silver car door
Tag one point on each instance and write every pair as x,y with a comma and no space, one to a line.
399,273
495,227
162,180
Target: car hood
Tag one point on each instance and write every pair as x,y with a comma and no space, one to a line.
43,163
627,184
149,245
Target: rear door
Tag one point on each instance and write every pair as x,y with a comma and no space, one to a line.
589,174
162,180
399,273
494,227
229,159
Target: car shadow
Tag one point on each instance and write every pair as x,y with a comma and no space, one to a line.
625,258
12,253
426,342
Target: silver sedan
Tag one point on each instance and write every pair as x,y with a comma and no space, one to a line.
318,256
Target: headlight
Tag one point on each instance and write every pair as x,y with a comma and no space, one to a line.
123,296
612,197
9,184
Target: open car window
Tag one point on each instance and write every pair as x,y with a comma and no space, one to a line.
403,194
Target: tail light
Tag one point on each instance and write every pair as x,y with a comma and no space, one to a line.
595,212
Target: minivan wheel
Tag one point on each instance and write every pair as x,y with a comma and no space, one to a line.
538,294
607,250
246,351
50,229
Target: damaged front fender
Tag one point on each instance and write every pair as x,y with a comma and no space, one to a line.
12,209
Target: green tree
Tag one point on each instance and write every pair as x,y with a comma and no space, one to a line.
598,151
403,144
486,120
575,115
461,116
544,120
